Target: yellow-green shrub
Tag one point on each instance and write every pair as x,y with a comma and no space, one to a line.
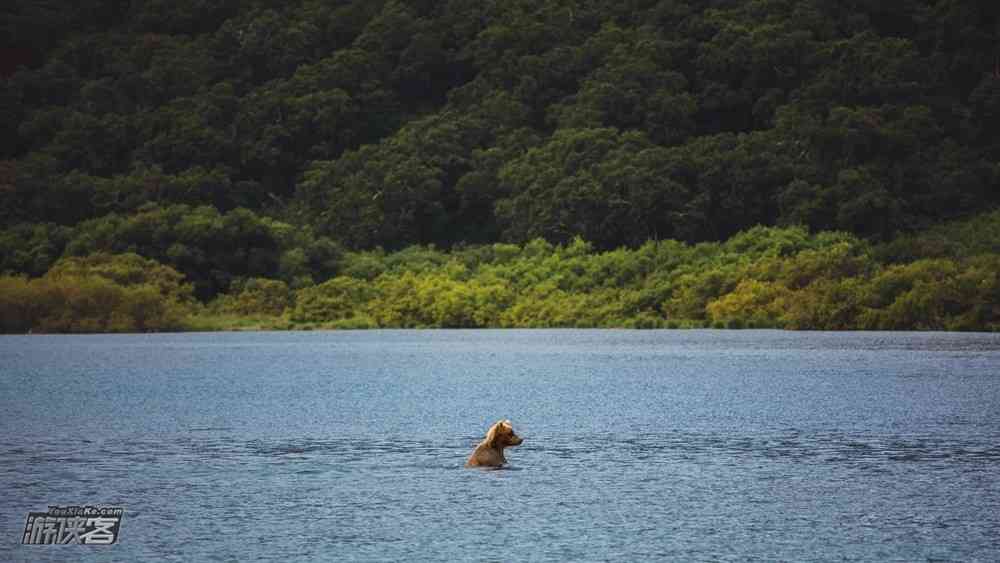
825,305
338,298
256,296
753,303
99,293
85,304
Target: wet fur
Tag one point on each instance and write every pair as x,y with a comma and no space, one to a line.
489,452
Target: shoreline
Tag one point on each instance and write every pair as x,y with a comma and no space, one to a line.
690,328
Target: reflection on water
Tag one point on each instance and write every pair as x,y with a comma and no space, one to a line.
716,446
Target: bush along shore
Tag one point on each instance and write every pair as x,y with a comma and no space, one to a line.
947,278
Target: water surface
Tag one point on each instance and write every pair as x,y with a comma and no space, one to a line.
689,445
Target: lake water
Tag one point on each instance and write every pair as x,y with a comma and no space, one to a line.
686,445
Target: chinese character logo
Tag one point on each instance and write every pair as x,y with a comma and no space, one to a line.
73,525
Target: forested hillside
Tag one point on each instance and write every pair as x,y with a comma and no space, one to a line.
234,140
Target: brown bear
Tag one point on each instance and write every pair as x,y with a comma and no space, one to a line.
489,452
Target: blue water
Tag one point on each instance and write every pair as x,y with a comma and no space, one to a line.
685,445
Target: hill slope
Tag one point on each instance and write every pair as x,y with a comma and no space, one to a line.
198,133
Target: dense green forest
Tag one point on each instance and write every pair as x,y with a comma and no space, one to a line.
481,163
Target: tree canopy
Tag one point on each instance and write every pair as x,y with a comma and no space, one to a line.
263,139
